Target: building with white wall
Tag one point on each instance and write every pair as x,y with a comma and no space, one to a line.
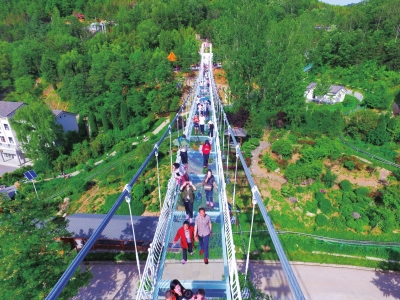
336,94
10,147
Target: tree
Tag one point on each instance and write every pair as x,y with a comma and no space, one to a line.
32,258
361,123
92,124
104,120
114,117
37,131
379,97
329,178
323,86
124,115
49,70
379,135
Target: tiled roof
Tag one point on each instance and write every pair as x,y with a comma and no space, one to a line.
119,227
9,191
311,86
335,89
7,108
58,112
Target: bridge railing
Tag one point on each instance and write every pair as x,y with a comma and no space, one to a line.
148,287
227,238
155,249
294,285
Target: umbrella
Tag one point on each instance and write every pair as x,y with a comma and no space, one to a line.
181,141
237,131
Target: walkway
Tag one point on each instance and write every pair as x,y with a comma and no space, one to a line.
257,171
119,281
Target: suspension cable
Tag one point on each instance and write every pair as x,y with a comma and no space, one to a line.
223,139
227,153
170,146
254,201
234,184
128,200
177,124
158,177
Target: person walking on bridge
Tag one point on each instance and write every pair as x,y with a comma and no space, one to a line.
186,235
206,149
196,124
187,196
202,232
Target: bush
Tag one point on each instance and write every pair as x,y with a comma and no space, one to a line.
321,220
349,165
283,147
325,206
329,178
269,162
311,206
255,142
346,186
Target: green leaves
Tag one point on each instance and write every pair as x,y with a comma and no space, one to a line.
38,132
32,258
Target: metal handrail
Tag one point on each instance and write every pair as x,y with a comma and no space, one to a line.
62,282
227,226
158,248
294,285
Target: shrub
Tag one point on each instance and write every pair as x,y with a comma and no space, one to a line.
269,162
349,165
329,178
285,190
311,206
283,147
362,191
325,206
345,185
321,220
255,142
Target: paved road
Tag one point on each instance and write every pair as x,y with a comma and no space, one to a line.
5,169
119,281
358,95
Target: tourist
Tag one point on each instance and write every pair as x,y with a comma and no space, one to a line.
210,129
202,232
201,294
168,295
186,235
209,183
189,295
187,196
202,122
206,149
196,124
183,147
177,289
179,173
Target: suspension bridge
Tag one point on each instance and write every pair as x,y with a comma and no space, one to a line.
160,269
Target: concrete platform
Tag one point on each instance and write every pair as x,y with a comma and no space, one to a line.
194,270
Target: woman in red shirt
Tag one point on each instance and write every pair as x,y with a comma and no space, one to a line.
186,235
206,149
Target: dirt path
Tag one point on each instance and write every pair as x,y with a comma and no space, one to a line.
274,180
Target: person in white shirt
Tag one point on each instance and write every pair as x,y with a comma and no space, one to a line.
202,122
